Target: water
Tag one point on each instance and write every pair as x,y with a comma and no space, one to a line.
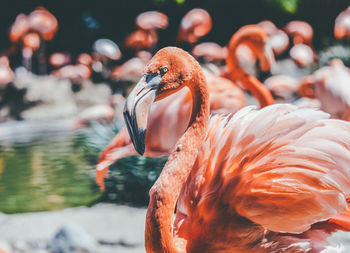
45,172
47,167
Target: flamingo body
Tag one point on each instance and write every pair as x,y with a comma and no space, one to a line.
269,180
264,172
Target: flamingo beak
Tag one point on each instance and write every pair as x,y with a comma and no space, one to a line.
137,107
268,59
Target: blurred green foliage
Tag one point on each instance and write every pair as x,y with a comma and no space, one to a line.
290,6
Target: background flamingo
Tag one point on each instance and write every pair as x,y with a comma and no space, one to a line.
194,25
330,85
146,37
255,38
257,181
342,25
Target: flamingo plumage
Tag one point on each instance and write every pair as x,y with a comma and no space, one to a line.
269,180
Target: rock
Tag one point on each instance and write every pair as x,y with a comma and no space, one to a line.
71,239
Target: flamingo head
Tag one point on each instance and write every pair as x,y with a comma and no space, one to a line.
259,45
167,72
256,40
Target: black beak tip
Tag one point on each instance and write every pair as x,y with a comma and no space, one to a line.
139,144
137,134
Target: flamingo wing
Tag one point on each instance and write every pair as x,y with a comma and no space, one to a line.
282,167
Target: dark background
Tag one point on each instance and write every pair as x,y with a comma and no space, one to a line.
82,22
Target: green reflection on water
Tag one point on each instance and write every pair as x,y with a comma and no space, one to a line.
46,173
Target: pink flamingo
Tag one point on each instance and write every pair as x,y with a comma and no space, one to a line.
256,181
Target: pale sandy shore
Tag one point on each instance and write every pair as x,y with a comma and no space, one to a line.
115,228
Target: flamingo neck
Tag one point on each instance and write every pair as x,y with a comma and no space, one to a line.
165,192
238,73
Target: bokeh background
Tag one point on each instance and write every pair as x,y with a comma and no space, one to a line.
82,22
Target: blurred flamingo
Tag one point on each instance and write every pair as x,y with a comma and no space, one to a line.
256,39
59,59
342,25
194,25
100,113
209,52
32,31
105,51
31,43
211,56
145,37
303,55
277,39
6,74
125,75
282,87
256,181
85,59
302,34
11,96
330,85
76,74
300,31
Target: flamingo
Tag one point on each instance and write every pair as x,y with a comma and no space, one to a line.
33,30
194,25
6,74
212,57
330,85
85,59
146,37
59,59
300,31
105,51
256,39
209,51
282,86
278,39
256,181
76,74
342,25
127,74
303,55
302,34
99,113
225,97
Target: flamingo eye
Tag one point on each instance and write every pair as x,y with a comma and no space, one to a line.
163,70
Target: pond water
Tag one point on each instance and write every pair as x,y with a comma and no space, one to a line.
47,167
45,173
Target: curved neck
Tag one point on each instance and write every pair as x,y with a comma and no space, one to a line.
238,73
166,190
